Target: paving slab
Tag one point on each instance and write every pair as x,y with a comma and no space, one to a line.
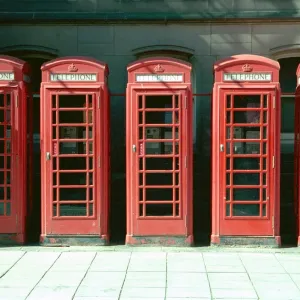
234,293
103,280
142,293
229,280
145,279
87,291
60,279
10,257
192,292
50,293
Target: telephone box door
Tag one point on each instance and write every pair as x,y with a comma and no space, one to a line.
159,130
247,162
74,159
9,188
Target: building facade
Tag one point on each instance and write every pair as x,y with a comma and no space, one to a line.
118,32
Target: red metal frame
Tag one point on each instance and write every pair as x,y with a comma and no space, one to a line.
159,209
229,170
14,153
297,155
75,153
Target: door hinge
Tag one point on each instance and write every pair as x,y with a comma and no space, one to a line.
185,102
273,162
98,101
273,222
185,161
17,101
274,101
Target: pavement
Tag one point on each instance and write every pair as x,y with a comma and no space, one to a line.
151,273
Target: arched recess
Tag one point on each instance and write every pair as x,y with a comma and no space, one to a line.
35,56
288,57
174,51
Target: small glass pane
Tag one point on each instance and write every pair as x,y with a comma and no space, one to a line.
75,194
72,163
228,119
228,101
264,178
265,100
264,210
246,194
71,117
246,163
158,163
264,164
141,179
141,212
8,177
141,130
54,194
141,118
53,117
91,179
1,209
8,98
8,146
228,147
159,101
141,195
176,101
176,179
158,117
72,101
246,101
159,178
228,135
227,178
2,197
1,100
264,132
72,179
8,160
53,101
246,179
54,160
91,209
227,194
1,132
140,102
91,194
91,163
177,210
8,193
54,178
159,210
54,210
227,163
177,196
227,210
177,163
158,194
8,210
246,117
54,132
264,194
141,163
1,162
265,113
73,210
244,210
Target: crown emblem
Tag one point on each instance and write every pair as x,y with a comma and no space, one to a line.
158,69
247,68
72,68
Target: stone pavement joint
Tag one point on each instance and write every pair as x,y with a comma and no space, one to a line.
130,273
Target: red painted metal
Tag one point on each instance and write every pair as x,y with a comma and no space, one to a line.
297,155
75,151
246,152
159,153
15,148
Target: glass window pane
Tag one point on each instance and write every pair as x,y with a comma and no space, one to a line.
244,210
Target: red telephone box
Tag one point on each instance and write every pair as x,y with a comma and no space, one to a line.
15,146
246,151
297,154
159,152
74,151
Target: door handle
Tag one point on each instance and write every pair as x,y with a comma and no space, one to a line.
48,156
133,148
